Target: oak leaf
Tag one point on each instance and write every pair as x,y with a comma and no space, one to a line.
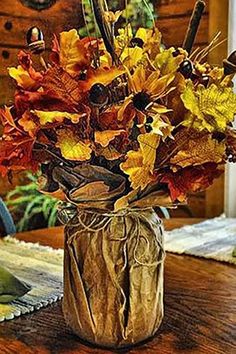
199,151
72,148
166,62
56,116
59,84
139,165
74,56
211,108
106,136
190,179
22,77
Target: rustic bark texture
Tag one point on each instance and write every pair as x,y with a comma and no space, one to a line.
113,276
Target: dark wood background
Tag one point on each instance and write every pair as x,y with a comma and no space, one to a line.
16,19
172,19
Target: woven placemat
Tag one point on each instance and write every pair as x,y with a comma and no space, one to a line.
213,238
40,267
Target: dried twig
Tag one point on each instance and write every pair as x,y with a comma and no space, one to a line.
193,25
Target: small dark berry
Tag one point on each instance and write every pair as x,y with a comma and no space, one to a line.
176,53
136,42
218,136
99,95
186,68
149,120
148,128
204,80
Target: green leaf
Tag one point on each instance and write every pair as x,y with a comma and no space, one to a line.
11,288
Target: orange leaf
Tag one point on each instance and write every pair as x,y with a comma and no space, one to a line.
28,124
73,54
190,179
106,136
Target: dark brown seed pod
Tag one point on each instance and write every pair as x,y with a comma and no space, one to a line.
230,64
35,41
204,80
98,95
186,68
176,53
136,42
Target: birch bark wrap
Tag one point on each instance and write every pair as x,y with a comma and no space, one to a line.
113,276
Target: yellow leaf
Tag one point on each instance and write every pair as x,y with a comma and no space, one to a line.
22,77
72,148
106,136
148,145
131,56
73,54
199,150
167,63
143,33
101,75
212,108
139,165
152,45
55,116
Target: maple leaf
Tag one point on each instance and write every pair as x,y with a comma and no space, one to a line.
7,121
72,148
190,179
25,61
22,78
139,165
46,117
73,54
106,136
28,124
16,155
199,150
62,86
166,62
211,108
24,74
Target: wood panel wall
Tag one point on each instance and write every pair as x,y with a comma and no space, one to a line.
172,19
16,19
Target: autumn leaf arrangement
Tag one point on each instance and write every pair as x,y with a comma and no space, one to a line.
119,119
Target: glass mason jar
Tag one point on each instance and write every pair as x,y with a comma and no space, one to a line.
113,276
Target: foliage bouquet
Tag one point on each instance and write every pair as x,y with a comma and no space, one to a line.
119,124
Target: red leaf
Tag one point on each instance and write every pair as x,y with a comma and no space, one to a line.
190,179
17,155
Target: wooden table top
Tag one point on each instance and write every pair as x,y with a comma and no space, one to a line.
200,310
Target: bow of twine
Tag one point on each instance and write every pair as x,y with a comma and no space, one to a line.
93,221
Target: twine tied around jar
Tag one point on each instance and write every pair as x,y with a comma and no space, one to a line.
93,221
